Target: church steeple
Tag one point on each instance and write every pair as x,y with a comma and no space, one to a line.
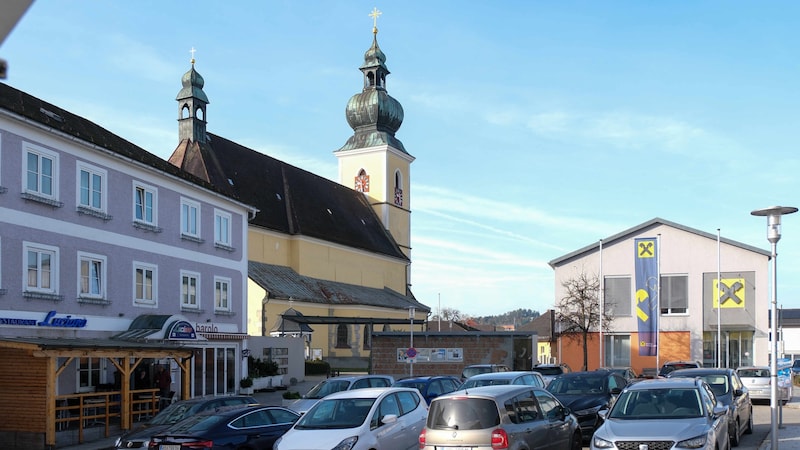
373,114
192,103
373,160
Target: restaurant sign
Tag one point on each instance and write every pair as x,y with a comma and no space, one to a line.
50,320
181,330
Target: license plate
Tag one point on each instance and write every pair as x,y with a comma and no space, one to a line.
169,447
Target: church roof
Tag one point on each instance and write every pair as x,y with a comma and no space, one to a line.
284,283
291,200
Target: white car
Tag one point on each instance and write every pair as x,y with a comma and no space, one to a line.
385,418
757,380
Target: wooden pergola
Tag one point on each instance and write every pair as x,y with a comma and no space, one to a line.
29,375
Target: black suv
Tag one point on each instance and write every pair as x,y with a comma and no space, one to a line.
669,366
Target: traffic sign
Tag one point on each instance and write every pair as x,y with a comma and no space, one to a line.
411,352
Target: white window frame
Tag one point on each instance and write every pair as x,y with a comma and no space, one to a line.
144,301
190,298
102,261
137,186
92,366
190,209
40,153
218,283
92,171
40,249
223,237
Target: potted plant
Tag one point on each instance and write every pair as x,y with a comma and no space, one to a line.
246,386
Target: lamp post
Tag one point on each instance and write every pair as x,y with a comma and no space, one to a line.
411,312
773,215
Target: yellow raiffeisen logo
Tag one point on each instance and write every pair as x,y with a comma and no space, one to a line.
646,249
641,295
731,293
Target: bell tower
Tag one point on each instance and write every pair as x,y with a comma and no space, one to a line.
373,160
192,103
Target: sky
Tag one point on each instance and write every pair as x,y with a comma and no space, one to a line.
538,127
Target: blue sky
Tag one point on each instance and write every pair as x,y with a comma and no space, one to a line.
538,127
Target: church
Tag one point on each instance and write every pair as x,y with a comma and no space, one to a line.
328,262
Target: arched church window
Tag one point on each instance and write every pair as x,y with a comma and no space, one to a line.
370,79
199,113
185,111
367,336
342,339
398,188
362,181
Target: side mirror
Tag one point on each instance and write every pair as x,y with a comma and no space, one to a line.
738,392
720,410
603,413
389,418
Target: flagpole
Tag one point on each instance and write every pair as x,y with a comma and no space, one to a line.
719,309
602,293
658,299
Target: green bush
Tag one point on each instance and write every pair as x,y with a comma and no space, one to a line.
317,367
291,395
258,367
246,382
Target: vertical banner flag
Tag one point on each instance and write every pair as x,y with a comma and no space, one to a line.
647,295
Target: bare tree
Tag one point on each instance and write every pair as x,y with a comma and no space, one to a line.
578,312
449,314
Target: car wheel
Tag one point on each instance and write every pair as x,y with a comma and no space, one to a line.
735,436
577,441
749,429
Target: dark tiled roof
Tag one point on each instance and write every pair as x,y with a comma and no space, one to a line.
284,283
542,325
61,120
291,200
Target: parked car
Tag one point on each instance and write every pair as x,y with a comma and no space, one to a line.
625,372
140,436
384,418
500,417
679,412
731,392
796,367
669,366
586,393
758,379
475,369
336,384
238,427
550,371
529,378
430,387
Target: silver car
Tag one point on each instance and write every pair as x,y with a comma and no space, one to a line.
665,413
337,384
529,378
757,379
507,416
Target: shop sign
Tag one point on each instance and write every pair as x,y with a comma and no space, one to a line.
50,320
182,330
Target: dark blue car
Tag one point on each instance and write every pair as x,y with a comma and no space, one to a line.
431,387
234,428
586,393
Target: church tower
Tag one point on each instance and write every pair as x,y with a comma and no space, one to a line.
373,160
192,102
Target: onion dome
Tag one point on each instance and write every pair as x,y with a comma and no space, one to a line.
192,86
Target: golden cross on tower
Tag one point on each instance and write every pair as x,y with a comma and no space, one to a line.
374,14
192,52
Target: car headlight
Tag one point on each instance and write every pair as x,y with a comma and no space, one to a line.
695,442
588,411
117,442
601,443
346,444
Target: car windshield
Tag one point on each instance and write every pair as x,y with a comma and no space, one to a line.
336,413
172,414
472,371
718,383
584,384
657,403
463,414
548,370
199,422
418,385
327,387
753,373
473,383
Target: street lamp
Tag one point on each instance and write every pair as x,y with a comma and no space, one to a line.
411,357
773,215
